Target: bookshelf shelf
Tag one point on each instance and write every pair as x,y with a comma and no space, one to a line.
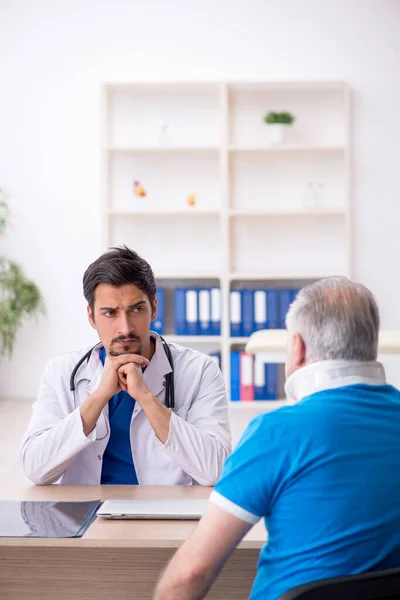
193,339
238,340
166,213
190,275
287,86
284,275
287,148
266,215
287,213
158,149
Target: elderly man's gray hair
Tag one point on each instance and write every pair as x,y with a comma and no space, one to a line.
337,319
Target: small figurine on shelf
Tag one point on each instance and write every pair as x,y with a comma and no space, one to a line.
311,199
138,189
191,200
314,196
163,125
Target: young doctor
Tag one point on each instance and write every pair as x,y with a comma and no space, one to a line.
132,409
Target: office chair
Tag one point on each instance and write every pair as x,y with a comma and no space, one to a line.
381,585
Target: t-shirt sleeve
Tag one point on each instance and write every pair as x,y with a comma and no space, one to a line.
254,472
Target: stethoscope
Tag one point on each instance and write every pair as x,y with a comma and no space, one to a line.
169,377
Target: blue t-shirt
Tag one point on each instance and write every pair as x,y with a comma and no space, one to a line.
118,467
325,474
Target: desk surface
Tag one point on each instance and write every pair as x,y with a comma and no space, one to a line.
120,533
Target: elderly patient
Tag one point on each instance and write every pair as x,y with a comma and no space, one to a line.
324,473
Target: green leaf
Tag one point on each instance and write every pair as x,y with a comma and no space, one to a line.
3,215
20,298
285,118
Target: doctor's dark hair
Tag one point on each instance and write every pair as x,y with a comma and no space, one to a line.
119,266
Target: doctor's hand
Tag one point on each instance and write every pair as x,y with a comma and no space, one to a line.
111,382
131,380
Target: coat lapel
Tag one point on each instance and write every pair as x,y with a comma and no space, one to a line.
159,366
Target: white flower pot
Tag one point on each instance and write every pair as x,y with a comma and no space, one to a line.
277,133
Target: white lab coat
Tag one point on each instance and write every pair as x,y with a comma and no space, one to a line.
55,448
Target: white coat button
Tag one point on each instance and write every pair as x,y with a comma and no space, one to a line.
99,456
89,388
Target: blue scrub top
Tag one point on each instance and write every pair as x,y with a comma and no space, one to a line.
118,467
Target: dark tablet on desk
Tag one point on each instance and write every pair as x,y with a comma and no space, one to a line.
46,519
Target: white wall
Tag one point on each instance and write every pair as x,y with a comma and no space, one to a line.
54,55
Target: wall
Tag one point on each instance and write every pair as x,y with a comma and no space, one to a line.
54,55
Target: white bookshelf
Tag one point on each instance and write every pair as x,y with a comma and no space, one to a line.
265,214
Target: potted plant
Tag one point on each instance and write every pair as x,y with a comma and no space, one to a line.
19,297
278,121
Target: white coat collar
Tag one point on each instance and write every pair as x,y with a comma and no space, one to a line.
154,374
329,374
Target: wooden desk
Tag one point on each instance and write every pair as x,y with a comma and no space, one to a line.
114,560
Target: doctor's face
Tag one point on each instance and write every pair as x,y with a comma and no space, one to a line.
122,317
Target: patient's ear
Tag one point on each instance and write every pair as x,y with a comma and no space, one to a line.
90,317
298,351
295,353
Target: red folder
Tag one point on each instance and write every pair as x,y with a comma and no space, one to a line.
246,376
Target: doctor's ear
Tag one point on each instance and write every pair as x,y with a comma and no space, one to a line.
154,309
91,317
